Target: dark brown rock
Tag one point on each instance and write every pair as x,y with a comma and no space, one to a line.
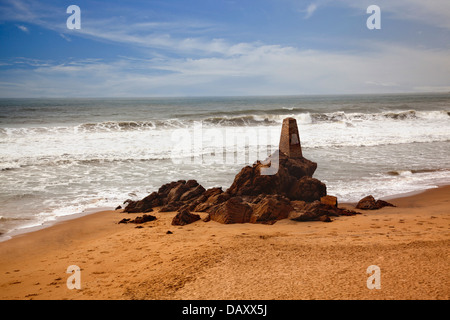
212,191
145,205
234,210
250,181
172,206
164,190
307,189
139,220
184,217
317,211
171,197
382,203
270,209
176,192
192,193
290,139
369,203
212,201
143,219
329,200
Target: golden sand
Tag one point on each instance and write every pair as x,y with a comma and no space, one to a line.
208,260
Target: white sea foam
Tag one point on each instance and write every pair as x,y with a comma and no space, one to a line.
67,168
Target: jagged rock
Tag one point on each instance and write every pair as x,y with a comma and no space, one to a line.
234,210
270,209
145,205
317,211
184,217
172,206
290,139
192,193
307,189
212,191
382,203
256,195
139,220
369,203
171,197
293,179
215,199
329,200
176,192
143,219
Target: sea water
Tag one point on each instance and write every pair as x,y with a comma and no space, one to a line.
65,156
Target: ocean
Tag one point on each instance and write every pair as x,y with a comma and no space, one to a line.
66,157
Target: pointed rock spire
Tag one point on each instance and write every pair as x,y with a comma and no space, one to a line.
290,139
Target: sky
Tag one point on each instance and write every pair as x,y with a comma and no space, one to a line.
140,48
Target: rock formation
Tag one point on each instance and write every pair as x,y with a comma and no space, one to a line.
369,203
293,178
139,220
184,217
290,139
318,211
254,196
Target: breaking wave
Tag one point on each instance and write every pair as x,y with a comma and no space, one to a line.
232,120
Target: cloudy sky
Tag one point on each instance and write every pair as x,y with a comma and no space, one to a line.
139,48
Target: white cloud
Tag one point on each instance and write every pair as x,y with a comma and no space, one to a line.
310,10
23,28
257,70
434,13
214,66
62,35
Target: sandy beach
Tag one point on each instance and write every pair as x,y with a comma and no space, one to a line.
209,260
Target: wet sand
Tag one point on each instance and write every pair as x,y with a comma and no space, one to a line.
208,260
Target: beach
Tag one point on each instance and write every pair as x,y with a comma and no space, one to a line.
288,260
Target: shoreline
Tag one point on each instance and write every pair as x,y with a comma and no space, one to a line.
47,224
61,219
199,261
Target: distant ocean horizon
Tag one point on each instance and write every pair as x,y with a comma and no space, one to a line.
63,156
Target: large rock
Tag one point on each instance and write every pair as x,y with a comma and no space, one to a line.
290,139
145,205
213,200
307,189
260,193
170,196
317,211
234,210
192,193
270,209
369,203
184,217
293,180
329,200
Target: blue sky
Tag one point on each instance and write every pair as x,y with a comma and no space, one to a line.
219,48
